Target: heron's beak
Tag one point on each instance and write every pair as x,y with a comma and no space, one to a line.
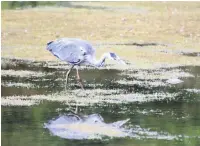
122,61
113,56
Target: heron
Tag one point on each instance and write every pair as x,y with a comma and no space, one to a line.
77,52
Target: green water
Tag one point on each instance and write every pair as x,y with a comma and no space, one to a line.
159,122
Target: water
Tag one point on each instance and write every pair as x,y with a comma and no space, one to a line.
160,113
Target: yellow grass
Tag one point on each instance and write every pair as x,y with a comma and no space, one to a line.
26,32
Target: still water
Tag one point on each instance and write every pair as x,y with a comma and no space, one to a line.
159,113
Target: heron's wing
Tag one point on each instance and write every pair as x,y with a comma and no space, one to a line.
84,44
67,50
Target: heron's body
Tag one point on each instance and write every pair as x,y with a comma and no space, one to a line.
77,52
73,51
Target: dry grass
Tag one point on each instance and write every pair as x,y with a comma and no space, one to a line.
26,32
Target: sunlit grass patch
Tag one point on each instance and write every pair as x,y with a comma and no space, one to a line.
21,73
88,97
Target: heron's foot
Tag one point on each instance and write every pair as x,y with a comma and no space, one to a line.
66,83
66,86
80,83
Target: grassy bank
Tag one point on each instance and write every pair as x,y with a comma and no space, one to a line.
175,24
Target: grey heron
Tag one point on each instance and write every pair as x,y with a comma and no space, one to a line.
78,52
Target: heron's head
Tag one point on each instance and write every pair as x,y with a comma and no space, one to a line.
113,56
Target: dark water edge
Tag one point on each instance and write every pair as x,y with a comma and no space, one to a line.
24,125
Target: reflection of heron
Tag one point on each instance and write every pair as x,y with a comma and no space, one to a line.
74,126
78,52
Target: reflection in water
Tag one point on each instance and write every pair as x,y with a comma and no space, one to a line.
159,113
73,126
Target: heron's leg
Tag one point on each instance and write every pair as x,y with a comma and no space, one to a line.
67,75
79,79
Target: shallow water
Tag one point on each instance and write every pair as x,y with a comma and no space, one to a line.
160,113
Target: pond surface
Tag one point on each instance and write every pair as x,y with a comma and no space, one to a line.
159,113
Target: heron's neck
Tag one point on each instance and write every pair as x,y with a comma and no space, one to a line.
101,61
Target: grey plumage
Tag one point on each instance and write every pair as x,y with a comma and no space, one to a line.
73,51
78,52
